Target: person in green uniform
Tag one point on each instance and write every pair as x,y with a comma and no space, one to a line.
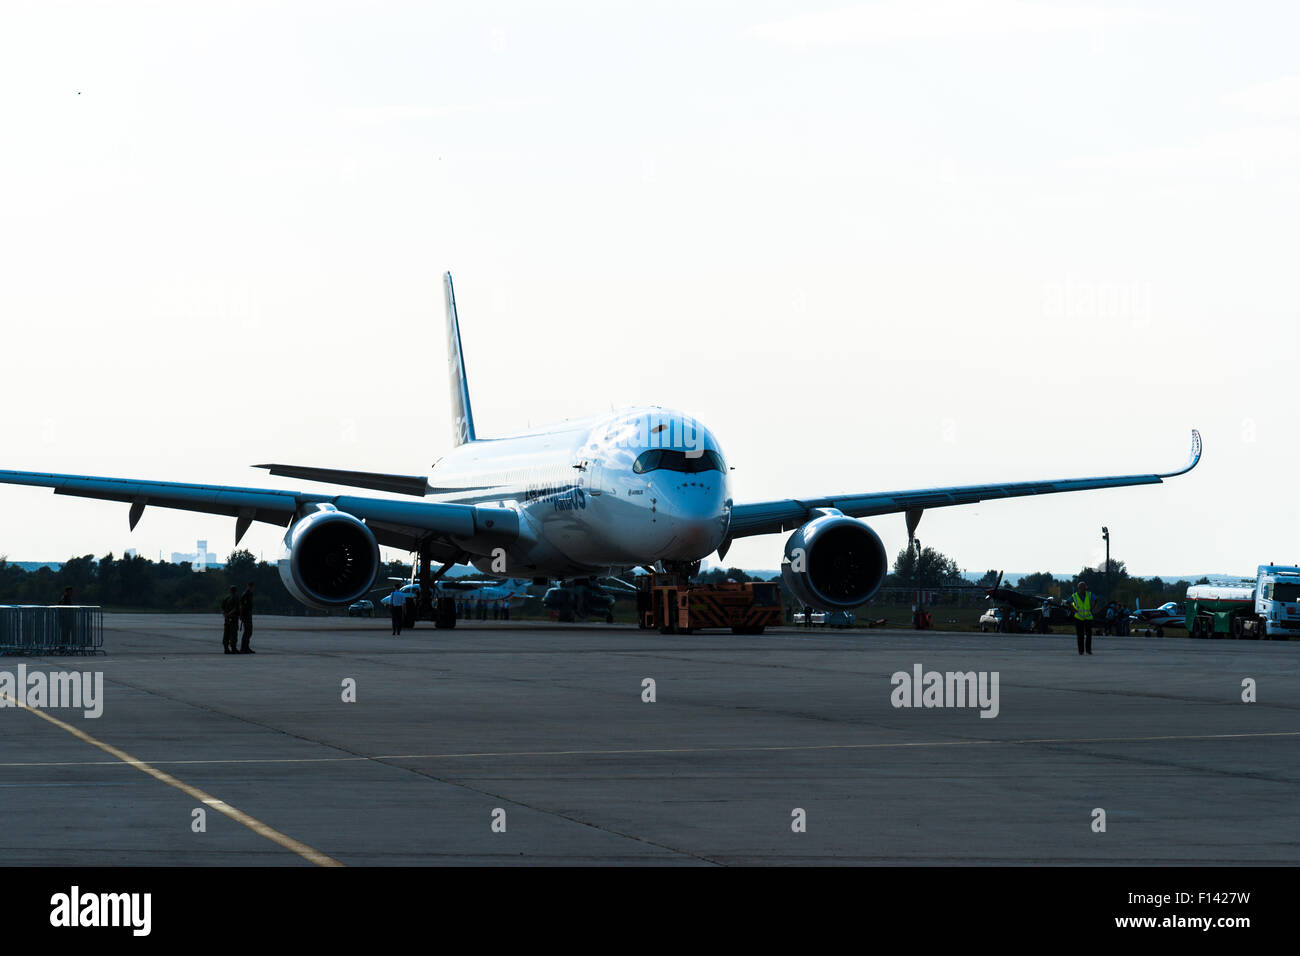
1081,604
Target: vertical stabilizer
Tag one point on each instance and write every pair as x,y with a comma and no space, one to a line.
462,414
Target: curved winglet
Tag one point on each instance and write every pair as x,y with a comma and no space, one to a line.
1191,462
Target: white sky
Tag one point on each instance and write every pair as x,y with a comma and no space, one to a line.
889,245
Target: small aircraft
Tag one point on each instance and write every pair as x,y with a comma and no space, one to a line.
1169,614
588,597
509,589
443,613
1036,612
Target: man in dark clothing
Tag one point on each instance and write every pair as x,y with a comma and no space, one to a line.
230,617
246,618
65,617
397,604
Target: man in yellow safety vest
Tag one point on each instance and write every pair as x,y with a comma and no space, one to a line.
1081,604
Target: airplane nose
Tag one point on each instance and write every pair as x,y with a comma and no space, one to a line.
695,511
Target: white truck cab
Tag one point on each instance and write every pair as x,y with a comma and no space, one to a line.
1277,599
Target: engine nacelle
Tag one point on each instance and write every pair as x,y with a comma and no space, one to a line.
331,559
834,562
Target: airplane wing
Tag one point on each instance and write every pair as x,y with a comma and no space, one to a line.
1020,600
401,524
458,584
416,485
767,517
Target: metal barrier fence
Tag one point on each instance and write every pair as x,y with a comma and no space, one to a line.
66,629
963,596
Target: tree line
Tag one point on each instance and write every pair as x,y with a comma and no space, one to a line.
138,584
1120,586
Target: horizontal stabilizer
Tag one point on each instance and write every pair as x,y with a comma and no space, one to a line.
415,485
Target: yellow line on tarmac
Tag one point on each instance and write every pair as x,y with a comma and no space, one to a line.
239,816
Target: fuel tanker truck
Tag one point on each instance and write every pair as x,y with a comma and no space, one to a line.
1270,607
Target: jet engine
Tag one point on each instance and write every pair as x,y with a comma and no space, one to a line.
834,562
331,558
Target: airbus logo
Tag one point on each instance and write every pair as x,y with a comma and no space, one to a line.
574,500
563,497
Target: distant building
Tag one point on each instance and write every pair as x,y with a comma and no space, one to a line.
202,559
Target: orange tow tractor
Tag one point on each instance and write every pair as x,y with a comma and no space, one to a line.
675,606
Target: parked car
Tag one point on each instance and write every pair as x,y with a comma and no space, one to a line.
362,608
992,619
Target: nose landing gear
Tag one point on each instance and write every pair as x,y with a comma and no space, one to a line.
685,569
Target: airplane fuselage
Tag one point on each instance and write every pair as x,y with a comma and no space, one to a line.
597,495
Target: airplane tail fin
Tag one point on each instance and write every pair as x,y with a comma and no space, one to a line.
463,420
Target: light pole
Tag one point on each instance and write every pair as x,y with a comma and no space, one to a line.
1105,533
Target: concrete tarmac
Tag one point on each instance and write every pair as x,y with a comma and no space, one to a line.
543,728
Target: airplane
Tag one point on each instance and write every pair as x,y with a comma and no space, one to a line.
1169,614
1020,600
591,597
572,502
1038,611
510,590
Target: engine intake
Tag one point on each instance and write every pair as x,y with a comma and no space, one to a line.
834,562
331,559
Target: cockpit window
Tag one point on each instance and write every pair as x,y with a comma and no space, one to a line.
680,461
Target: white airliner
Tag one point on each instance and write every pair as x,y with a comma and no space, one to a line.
580,500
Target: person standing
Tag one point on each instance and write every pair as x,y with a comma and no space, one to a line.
65,617
230,621
246,618
397,604
1081,604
